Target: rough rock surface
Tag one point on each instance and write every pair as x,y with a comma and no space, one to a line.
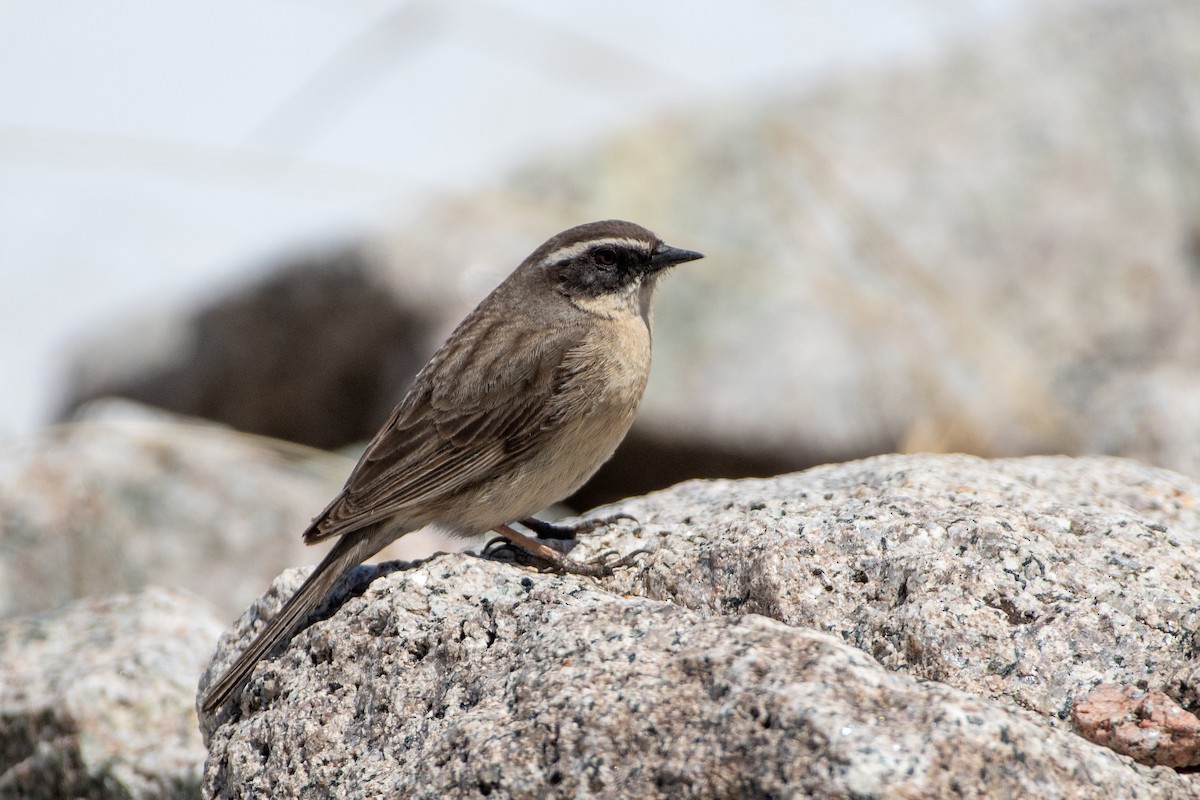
127,498
96,699
902,626
1148,726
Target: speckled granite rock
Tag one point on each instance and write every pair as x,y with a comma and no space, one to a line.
96,698
901,626
1024,580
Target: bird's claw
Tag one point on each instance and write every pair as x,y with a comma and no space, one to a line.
588,525
627,560
602,566
495,545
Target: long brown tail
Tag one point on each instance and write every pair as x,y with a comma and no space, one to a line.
350,551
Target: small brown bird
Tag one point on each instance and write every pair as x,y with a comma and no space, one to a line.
527,398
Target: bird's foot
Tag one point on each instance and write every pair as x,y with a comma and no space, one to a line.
599,567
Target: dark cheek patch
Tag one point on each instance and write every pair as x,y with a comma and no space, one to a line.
592,281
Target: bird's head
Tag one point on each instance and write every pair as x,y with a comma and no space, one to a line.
606,267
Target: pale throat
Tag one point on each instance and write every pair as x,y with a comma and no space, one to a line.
633,299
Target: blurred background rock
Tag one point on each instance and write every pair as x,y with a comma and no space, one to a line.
930,226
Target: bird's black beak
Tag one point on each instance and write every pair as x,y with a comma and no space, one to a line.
666,256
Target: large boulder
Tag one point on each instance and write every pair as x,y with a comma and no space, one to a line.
125,497
991,251
902,626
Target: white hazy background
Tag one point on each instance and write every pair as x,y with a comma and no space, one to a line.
151,152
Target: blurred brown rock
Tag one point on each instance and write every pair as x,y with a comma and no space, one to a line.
316,353
994,251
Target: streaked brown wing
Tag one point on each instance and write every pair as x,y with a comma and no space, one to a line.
473,407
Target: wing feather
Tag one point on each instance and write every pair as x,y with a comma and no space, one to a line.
473,408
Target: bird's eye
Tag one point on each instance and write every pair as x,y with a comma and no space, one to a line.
606,256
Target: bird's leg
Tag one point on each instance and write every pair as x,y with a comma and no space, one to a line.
599,568
548,530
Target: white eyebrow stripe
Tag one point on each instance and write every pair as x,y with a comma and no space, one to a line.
567,252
